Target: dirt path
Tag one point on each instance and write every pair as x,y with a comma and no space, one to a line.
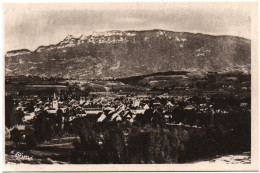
54,145
65,138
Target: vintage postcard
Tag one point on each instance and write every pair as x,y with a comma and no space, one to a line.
130,86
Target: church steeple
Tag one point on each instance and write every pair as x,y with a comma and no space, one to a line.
54,97
55,102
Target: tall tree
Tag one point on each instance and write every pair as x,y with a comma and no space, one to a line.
10,119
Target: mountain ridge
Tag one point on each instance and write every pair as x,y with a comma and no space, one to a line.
127,31
124,53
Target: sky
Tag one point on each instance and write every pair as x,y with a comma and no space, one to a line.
30,25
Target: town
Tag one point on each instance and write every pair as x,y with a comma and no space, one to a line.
68,116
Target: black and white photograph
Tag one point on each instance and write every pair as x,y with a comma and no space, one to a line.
130,84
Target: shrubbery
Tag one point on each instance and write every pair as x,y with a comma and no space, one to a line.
122,143
155,142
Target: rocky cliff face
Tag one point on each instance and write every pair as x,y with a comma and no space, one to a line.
128,53
18,53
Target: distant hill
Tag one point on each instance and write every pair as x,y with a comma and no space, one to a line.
132,53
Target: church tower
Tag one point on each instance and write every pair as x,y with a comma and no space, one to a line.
55,102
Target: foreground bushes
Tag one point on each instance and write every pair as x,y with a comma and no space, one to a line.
124,143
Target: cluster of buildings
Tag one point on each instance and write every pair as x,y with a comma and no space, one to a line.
123,108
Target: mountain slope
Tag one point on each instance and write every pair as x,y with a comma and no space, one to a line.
129,53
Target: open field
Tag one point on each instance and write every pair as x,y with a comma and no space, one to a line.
243,158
